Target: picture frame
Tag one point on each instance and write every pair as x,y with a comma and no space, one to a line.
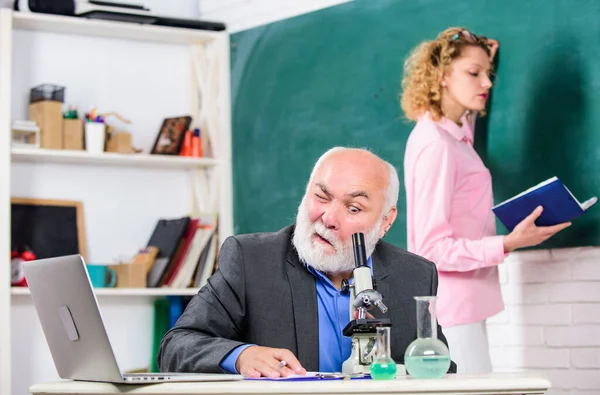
49,227
170,136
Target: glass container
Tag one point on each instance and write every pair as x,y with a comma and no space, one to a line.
383,366
427,356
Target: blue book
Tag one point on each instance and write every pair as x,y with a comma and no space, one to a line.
558,202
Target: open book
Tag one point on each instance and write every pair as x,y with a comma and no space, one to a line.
558,202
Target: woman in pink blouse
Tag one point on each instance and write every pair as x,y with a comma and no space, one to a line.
449,189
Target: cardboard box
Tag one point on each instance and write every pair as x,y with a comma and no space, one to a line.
72,134
130,275
146,257
119,142
48,115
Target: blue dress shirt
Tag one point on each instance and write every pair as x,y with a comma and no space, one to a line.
334,315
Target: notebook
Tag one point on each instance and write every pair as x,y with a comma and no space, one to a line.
558,202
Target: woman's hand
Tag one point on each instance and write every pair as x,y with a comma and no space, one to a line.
493,44
527,234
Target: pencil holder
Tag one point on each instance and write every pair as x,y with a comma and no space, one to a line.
95,136
72,134
47,92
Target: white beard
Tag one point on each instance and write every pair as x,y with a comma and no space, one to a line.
315,254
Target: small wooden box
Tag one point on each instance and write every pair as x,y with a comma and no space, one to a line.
130,275
119,142
72,134
48,115
146,257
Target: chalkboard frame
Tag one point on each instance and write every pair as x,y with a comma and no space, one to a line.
59,203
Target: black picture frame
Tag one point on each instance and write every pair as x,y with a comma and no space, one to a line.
170,136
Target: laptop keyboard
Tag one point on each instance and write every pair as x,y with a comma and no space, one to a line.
153,376
135,377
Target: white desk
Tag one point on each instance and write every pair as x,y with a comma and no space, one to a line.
497,383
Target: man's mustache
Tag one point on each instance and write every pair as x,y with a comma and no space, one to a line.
325,233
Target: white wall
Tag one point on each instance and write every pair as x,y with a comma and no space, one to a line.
245,14
552,317
176,8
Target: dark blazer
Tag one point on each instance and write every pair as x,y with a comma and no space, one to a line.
262,294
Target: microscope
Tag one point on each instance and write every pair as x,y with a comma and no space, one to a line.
363,297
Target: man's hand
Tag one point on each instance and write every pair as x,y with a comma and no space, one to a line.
256,361
527,234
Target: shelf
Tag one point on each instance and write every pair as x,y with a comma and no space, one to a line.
40,155
79,26
20,291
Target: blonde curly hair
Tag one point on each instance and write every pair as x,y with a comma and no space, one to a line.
423,70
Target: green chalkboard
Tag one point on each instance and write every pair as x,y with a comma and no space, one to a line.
332,77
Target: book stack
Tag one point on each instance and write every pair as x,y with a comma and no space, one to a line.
187,251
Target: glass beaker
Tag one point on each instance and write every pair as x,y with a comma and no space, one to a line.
427,356
383,366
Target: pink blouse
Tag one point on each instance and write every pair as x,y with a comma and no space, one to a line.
450,221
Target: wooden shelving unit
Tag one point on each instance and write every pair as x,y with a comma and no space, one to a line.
209,86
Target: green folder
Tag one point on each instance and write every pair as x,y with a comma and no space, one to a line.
161,326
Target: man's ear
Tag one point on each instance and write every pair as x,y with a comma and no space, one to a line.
388,220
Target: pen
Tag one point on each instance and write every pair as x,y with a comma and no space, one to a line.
281,364
345,376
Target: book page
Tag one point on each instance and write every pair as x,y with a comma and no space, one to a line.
589,203
533,188
573,196
585,205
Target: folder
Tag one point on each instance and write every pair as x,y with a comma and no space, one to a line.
166,237
161,326
558,202
316,376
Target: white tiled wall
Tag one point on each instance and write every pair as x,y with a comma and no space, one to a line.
552,318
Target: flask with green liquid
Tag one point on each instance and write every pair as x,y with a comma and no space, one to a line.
383,366
427,356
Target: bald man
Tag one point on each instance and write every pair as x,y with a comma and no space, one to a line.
278,296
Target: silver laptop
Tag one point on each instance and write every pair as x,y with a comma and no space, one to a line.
68,311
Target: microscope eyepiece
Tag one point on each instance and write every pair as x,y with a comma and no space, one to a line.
360,252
